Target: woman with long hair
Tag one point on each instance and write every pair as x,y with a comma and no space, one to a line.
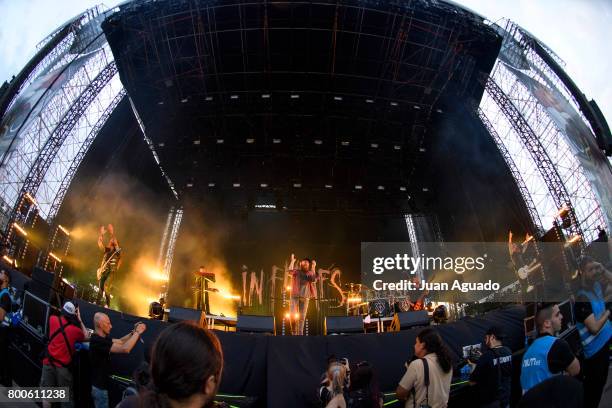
364,391
332,394
186,367
433,358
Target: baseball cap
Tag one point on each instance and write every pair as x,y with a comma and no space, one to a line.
69,308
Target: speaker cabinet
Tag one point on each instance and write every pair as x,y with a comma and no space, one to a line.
343,324
407,320
256,324
179,314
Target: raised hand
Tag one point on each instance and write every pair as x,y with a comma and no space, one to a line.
102,230
111,229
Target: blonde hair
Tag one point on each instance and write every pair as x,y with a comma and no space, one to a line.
336,373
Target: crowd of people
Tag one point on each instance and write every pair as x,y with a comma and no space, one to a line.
177,378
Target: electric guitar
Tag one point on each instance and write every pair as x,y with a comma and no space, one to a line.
101,269
526,270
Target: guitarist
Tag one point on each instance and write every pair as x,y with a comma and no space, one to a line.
110,263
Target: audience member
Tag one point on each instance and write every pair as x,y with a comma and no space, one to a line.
186,368
64,331
364,391
5,310
101,346
332,393
559,391
492,375
547,355
594,328
428,378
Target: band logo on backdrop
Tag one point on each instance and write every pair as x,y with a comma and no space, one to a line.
254,285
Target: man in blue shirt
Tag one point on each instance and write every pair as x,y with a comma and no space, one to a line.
594,328
547,356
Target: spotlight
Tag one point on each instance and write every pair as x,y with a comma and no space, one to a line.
295,96
289,288
220,141
369,100
156,311
21,230
208,98
30,198
287,315
276,141
250,141
296,316
64,230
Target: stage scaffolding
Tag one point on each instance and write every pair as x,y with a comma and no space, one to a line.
544,166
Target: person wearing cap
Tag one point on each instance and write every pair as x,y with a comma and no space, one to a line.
492,375
64,331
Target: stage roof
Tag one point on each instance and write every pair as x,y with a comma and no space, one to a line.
325,105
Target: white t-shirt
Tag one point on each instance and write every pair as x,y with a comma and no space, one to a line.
439,383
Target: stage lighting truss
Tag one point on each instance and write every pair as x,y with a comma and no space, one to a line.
548,175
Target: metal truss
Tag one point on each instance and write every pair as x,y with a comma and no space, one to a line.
78,157
516,174
538,153
176,225
64,127
33,137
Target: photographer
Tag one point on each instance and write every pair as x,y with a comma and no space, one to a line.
428,378
594,328
492,373
65,330
101,345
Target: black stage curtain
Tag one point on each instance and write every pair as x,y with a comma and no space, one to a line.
284,371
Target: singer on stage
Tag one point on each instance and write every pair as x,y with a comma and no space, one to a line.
302,289
111,261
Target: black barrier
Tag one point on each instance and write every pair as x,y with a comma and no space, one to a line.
284,371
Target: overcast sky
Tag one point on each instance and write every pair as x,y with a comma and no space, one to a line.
579,31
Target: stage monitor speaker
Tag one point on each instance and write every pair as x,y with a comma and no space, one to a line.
35,314
178,314
343,324
42,283
406,320
256,324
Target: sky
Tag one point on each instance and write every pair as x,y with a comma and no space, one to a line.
579,31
